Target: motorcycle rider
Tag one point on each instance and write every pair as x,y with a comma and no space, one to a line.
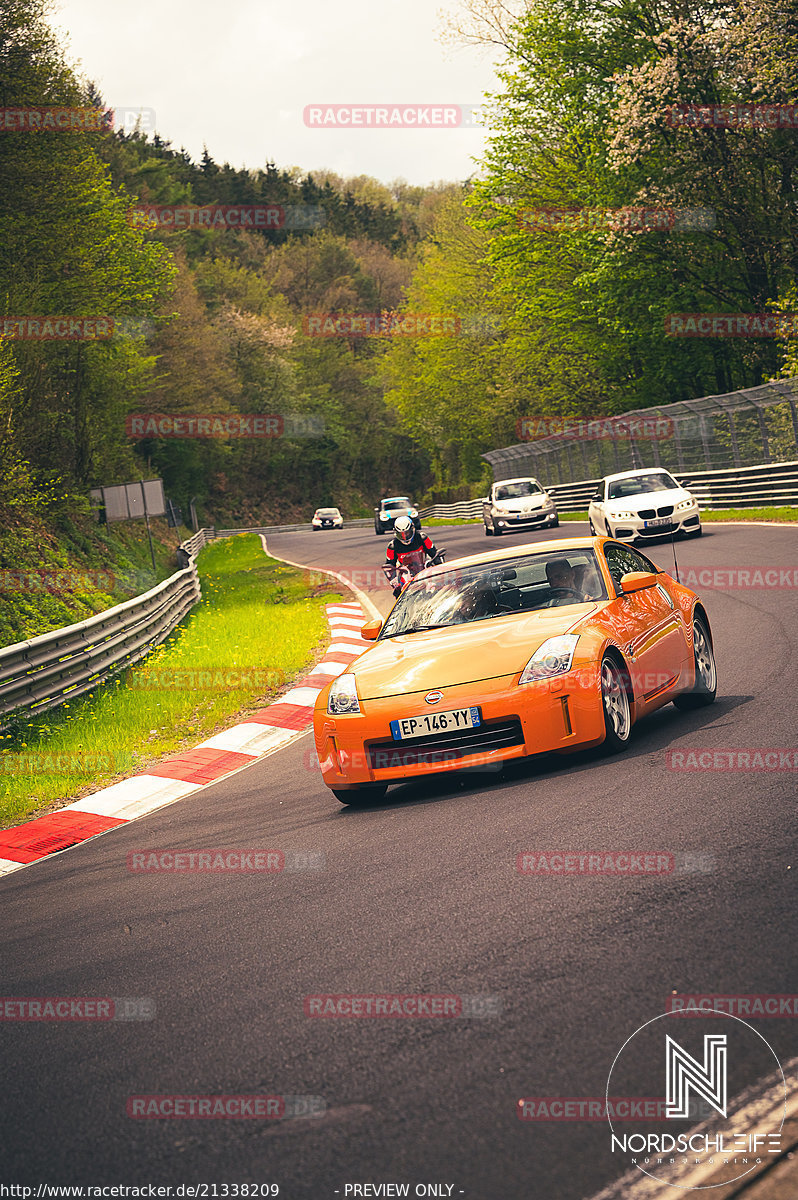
408,549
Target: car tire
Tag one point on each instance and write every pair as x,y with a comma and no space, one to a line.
556,524
365,793
705,688
615,704
378,529
590,527
488,531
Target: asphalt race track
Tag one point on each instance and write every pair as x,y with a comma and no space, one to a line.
419,895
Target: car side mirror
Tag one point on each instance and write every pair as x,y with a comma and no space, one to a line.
636,581
371,630
598,496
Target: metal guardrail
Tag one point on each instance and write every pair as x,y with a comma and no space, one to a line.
465,510
48,670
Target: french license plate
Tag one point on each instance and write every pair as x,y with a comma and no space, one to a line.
440,722
656,522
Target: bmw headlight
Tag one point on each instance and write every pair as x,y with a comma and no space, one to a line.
683,504
342,696
554,657
412,512
623,516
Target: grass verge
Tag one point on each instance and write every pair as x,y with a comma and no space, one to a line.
749,514
257,627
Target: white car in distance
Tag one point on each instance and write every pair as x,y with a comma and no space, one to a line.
518,504
327,518
644,503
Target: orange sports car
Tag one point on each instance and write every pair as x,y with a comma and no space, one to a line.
553,646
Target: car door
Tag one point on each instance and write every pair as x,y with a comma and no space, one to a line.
596,509
650,628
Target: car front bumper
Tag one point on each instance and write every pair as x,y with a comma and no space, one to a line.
544,516
633,530
559,714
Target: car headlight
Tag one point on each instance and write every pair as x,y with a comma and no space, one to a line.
412,512
623,516
342,696
554,657
316,521
383,516
548,502
683,504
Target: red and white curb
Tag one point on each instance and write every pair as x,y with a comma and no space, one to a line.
264,731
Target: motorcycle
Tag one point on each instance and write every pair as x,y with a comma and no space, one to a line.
400,574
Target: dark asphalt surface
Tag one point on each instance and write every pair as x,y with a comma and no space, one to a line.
419,895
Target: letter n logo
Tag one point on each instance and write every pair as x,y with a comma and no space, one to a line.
684,1073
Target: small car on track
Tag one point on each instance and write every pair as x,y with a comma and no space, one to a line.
327,518
553,646
518,504
644,504
392,507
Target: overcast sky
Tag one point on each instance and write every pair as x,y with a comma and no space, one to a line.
236,75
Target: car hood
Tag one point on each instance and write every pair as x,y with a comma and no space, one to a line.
460,654
521,503
651,499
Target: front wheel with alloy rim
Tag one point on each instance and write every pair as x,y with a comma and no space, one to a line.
705,687
615,702
367,793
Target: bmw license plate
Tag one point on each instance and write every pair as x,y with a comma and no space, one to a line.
658,521
439,722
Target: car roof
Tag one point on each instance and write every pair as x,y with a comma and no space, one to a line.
638,471
560,545
517,479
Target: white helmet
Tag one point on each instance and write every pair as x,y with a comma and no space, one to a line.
404,529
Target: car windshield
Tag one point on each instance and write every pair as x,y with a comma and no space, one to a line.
400,502
512,491
496,589
328,512
635,485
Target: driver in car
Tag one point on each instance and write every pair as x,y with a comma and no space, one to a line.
563,577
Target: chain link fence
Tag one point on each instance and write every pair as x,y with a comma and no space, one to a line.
740,429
